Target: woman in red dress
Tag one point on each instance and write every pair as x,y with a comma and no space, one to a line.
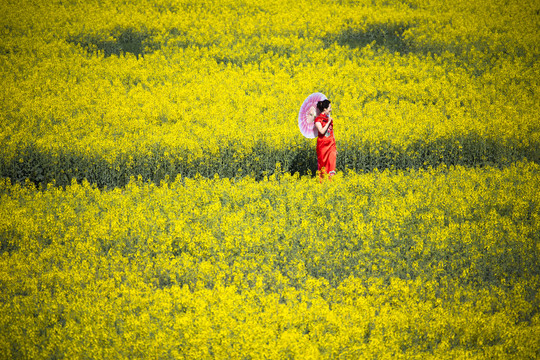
326,143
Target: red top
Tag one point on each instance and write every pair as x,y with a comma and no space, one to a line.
323,119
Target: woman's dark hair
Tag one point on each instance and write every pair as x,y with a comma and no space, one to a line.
321,105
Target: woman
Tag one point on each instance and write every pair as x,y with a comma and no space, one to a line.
326,143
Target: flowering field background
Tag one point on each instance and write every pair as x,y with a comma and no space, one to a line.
157,198
106,90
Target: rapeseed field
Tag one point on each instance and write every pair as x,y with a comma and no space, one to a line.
157,199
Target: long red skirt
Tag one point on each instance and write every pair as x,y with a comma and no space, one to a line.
326,156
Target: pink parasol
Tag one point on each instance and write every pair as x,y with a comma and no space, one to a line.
307,114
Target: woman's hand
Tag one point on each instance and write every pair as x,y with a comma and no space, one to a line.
323,129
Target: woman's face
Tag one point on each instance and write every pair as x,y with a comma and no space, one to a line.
328,109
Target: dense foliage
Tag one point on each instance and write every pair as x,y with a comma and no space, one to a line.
441,263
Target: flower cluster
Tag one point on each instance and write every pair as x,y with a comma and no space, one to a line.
161,88
441,262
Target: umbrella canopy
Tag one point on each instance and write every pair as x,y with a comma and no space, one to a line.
307,114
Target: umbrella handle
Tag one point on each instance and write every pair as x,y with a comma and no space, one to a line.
312,112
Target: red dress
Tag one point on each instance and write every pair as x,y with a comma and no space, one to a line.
326,148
